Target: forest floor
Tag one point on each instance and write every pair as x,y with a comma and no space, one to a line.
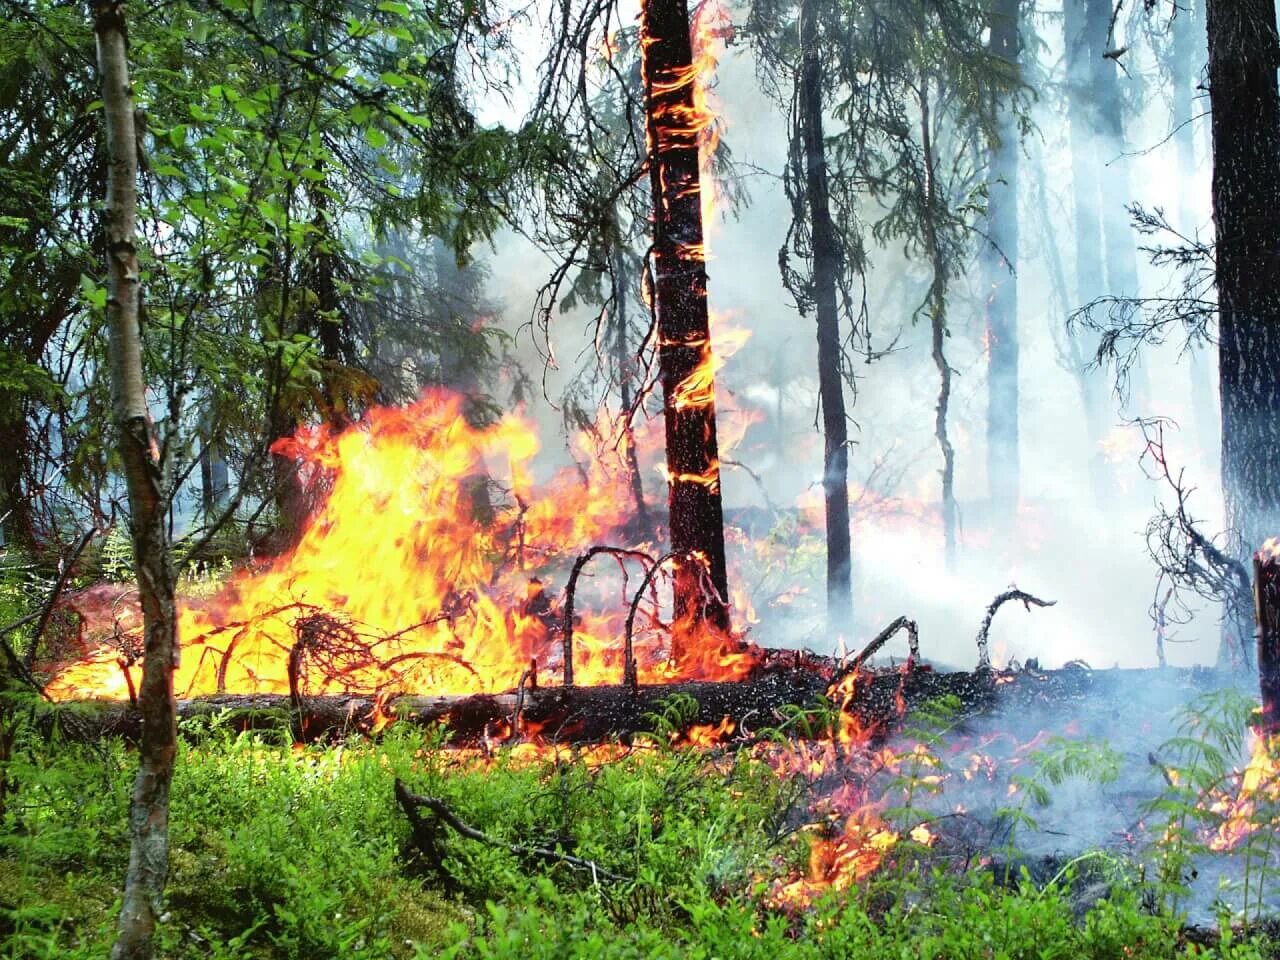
281,851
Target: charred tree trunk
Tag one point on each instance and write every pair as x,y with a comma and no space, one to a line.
826,270
938,322
144,474
680,294
1001,259
1266,607
1243,56
1088,231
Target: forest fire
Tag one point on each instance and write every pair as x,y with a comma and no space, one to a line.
406,580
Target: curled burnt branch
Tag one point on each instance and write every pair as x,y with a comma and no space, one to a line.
423,833
571,588
880,639
1013,593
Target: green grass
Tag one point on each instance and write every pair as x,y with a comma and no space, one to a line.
280,852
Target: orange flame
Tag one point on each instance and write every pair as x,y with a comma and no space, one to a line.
404,580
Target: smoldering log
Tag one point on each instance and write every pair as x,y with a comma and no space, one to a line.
594,714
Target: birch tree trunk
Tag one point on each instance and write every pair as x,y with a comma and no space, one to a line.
826,267
680,294
144,474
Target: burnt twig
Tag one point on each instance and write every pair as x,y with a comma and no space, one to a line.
913,643
1013,593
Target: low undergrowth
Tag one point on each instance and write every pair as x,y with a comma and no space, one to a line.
287,852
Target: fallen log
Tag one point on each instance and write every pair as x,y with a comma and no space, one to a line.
593,714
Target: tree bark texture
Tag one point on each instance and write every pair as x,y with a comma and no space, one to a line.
680,296
149,809
1000,261
1243,56
826,269
1266,608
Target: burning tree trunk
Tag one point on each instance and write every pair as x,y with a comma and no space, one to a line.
680,297
1243,96
144,473
1266,605
1002,295
826,267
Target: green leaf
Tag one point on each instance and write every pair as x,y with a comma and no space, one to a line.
375,138
178,135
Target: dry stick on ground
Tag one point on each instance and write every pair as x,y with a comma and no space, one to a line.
411,802
1013,593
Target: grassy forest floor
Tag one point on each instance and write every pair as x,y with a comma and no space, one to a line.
284,851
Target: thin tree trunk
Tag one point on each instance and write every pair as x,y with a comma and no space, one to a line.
938,321
1121,259
826,269
1243,54
624,365
144,474
1002,288
680,292
16,520
1088,231
1187,60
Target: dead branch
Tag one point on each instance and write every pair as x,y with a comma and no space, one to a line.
569,591
1013,593
411,802
913,643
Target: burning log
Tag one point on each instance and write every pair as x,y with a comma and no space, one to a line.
878,701
1266,606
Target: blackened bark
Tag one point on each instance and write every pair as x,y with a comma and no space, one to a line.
1243,56
1266,608
1000,261
680,295
148,505
826,268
